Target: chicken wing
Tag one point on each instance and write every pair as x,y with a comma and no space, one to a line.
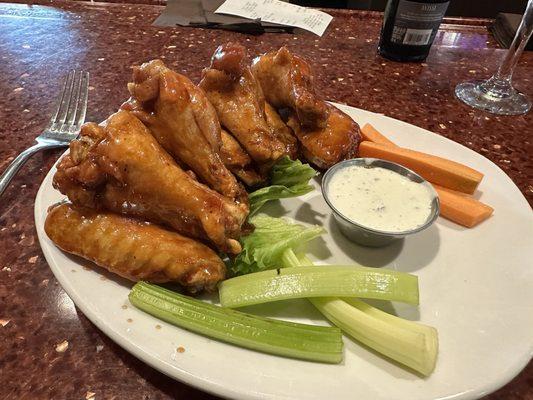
287,82
281,131
327,146
119,166
238,161
133,249
239,103
184,122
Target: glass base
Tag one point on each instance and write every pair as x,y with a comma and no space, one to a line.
493,96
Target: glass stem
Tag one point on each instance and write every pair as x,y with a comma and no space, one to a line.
506,69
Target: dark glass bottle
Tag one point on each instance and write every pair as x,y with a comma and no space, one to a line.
409,27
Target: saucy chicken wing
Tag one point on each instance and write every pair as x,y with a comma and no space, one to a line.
325,147
239,103
119,166
287,82
184,122
281,131
133,249
238,161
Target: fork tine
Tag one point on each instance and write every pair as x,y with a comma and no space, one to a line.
73,102
82,105
65,101
61,98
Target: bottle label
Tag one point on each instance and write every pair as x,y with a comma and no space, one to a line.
416,24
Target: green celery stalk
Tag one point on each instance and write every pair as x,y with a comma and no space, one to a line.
406,342
318,281
412,344
289,339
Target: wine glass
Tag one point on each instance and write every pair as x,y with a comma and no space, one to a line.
497,95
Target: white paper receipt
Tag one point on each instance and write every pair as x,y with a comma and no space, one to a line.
278,12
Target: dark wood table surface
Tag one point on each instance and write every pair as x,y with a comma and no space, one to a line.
40,43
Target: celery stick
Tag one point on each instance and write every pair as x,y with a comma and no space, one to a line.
404,323
289,339
319,281
409,343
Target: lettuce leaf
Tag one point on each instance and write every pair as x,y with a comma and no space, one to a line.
264,248
290,173
288,178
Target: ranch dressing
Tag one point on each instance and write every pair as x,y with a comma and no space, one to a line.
379,199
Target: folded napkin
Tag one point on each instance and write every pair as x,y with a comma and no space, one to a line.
504,29
200,13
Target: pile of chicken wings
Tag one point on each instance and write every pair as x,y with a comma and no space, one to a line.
158,190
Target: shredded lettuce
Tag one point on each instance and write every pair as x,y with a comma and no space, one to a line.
263,249
288,178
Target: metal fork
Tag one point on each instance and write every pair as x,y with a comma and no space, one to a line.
64,125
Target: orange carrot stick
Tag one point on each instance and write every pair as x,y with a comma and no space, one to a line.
368,132
462,209
455,206
441,171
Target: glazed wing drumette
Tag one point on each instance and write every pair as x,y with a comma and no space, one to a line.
325,147
239,103
184,122
119,166
281,131
326,134
238,161
287,82
133,249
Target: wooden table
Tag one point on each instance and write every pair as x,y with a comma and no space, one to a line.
40,43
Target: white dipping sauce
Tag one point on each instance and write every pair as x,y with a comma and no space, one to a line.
379,198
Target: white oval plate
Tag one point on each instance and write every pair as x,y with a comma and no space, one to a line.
475,284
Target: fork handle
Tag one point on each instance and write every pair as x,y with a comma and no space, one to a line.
18,162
